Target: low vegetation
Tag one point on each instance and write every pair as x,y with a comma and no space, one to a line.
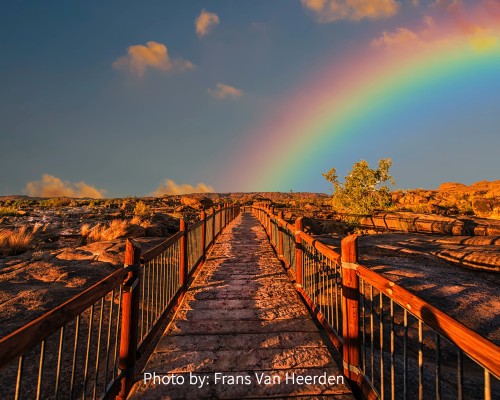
364,190
8,211
141,209
16,241
115,229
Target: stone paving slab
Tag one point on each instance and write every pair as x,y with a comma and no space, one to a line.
242,341
222,327
242,319
242,314
224,360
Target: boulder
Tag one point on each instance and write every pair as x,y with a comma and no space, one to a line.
487,208
197,202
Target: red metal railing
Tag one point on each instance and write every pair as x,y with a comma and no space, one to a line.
393,343
87,347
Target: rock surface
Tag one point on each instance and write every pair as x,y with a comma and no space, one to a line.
481,199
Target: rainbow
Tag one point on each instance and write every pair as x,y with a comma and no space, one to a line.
329,107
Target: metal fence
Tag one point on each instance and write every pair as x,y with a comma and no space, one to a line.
393,343
86,347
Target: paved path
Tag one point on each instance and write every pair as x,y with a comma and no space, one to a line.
240,321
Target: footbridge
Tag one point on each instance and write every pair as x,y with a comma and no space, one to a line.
244,304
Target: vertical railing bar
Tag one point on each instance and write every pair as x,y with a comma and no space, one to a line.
40,370
487,385
147,302
118,324
372,343
59,357
438,366
164,280
153,293
19,376
420,361
98,350
170,275
460,375
87,355
157,290
336,299
393,394
108,340
405,354
75,350
143,294
363,323
381,326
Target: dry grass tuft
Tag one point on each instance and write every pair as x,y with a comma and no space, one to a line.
15,241
141,209
102,232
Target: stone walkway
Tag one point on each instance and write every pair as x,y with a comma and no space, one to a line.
243,329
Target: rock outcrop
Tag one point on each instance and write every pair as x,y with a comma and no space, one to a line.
481,199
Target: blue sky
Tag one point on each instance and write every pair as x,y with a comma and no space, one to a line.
69,110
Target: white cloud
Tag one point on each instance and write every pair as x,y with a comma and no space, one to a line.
221,91
170,187
51,186
205,22
153,55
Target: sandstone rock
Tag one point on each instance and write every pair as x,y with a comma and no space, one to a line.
411,198
311,207
487,208
197,202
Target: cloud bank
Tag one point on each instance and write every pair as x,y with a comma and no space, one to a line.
51,186
170,187
478,26
153,55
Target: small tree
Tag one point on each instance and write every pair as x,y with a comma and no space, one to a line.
362,193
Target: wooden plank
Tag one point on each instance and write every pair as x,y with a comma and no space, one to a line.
474,345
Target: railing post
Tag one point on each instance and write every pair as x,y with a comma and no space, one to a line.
213,224
183,267
219,208
280,234
203,217
299,226
130,316
350,307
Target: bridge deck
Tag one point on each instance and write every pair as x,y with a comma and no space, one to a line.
241,320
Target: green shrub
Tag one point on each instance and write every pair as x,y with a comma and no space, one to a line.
363,190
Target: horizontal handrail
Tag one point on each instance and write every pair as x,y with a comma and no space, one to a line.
24,338
321,247
160,248
477,347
